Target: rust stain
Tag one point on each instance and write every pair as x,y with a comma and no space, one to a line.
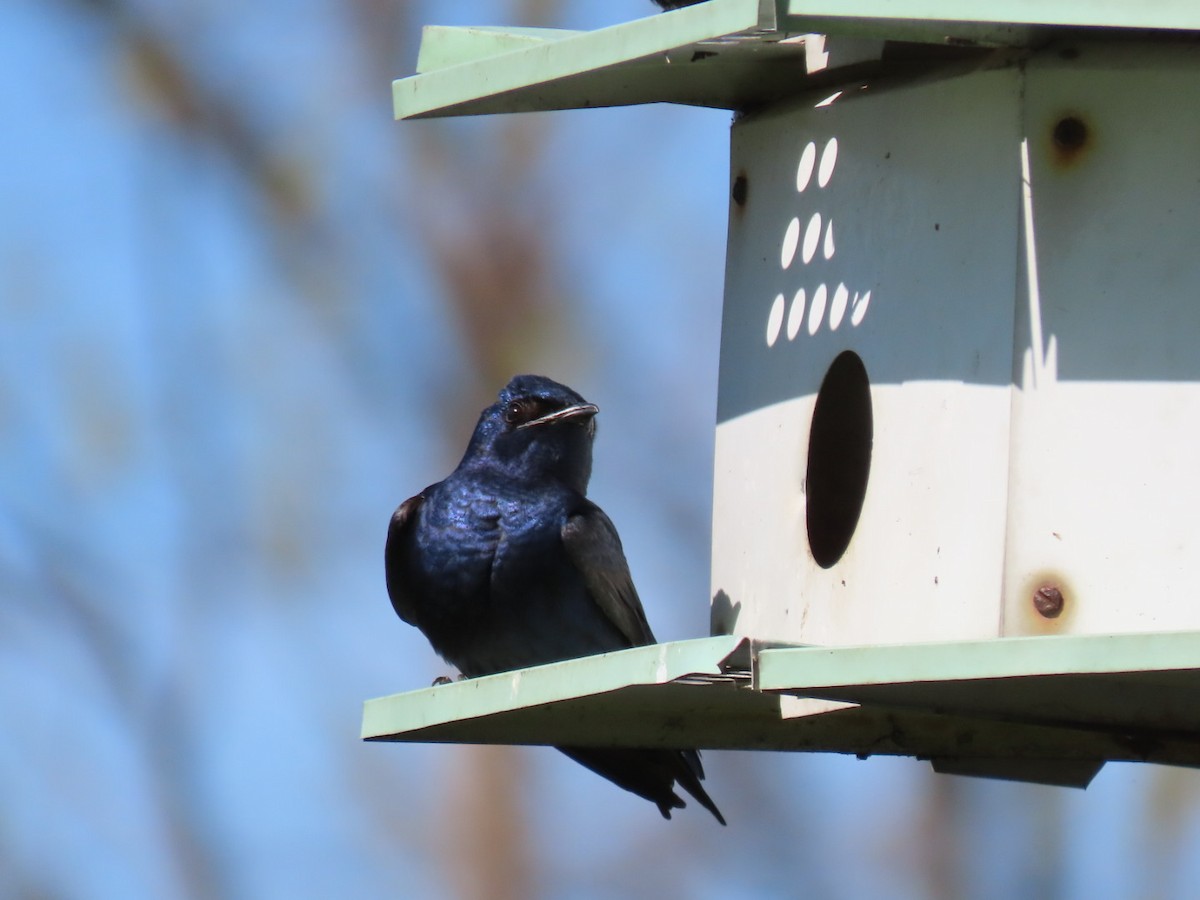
740,191
1071,137
1044,603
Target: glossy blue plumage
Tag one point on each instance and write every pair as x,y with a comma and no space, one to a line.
506,564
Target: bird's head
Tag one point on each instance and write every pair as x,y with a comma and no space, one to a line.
538,428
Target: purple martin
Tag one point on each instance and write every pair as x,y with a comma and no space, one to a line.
506,564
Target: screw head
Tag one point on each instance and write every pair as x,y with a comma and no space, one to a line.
1048,601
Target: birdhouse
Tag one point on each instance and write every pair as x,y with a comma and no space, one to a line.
957,469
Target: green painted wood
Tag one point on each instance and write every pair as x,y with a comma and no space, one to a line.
992,658
1136,683
535,687
443,46
1003,711
499,80
731,54
836,16
1060,772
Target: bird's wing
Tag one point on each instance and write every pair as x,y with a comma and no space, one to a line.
594,548
395,553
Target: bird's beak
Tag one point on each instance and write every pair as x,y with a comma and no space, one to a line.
578,411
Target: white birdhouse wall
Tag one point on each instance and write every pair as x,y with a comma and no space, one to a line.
959,363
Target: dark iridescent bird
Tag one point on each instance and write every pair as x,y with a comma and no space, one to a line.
506,564
677,4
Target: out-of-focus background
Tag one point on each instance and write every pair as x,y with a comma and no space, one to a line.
243,314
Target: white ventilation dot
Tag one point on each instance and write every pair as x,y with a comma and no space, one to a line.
837,309
795,315
775,320
791,238
808,160
812,235
817,309
859,308
828,161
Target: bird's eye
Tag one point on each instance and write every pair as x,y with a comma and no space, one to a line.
518,412
525,409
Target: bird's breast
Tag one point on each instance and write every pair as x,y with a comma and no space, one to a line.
500,590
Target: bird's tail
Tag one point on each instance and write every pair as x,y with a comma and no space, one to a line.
651,774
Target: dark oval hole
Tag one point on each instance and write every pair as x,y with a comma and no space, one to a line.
839,458
1070,133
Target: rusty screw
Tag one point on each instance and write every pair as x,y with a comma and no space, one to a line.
1048,601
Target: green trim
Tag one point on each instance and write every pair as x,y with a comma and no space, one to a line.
835,16
443,46
525,688
825,667
452,90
